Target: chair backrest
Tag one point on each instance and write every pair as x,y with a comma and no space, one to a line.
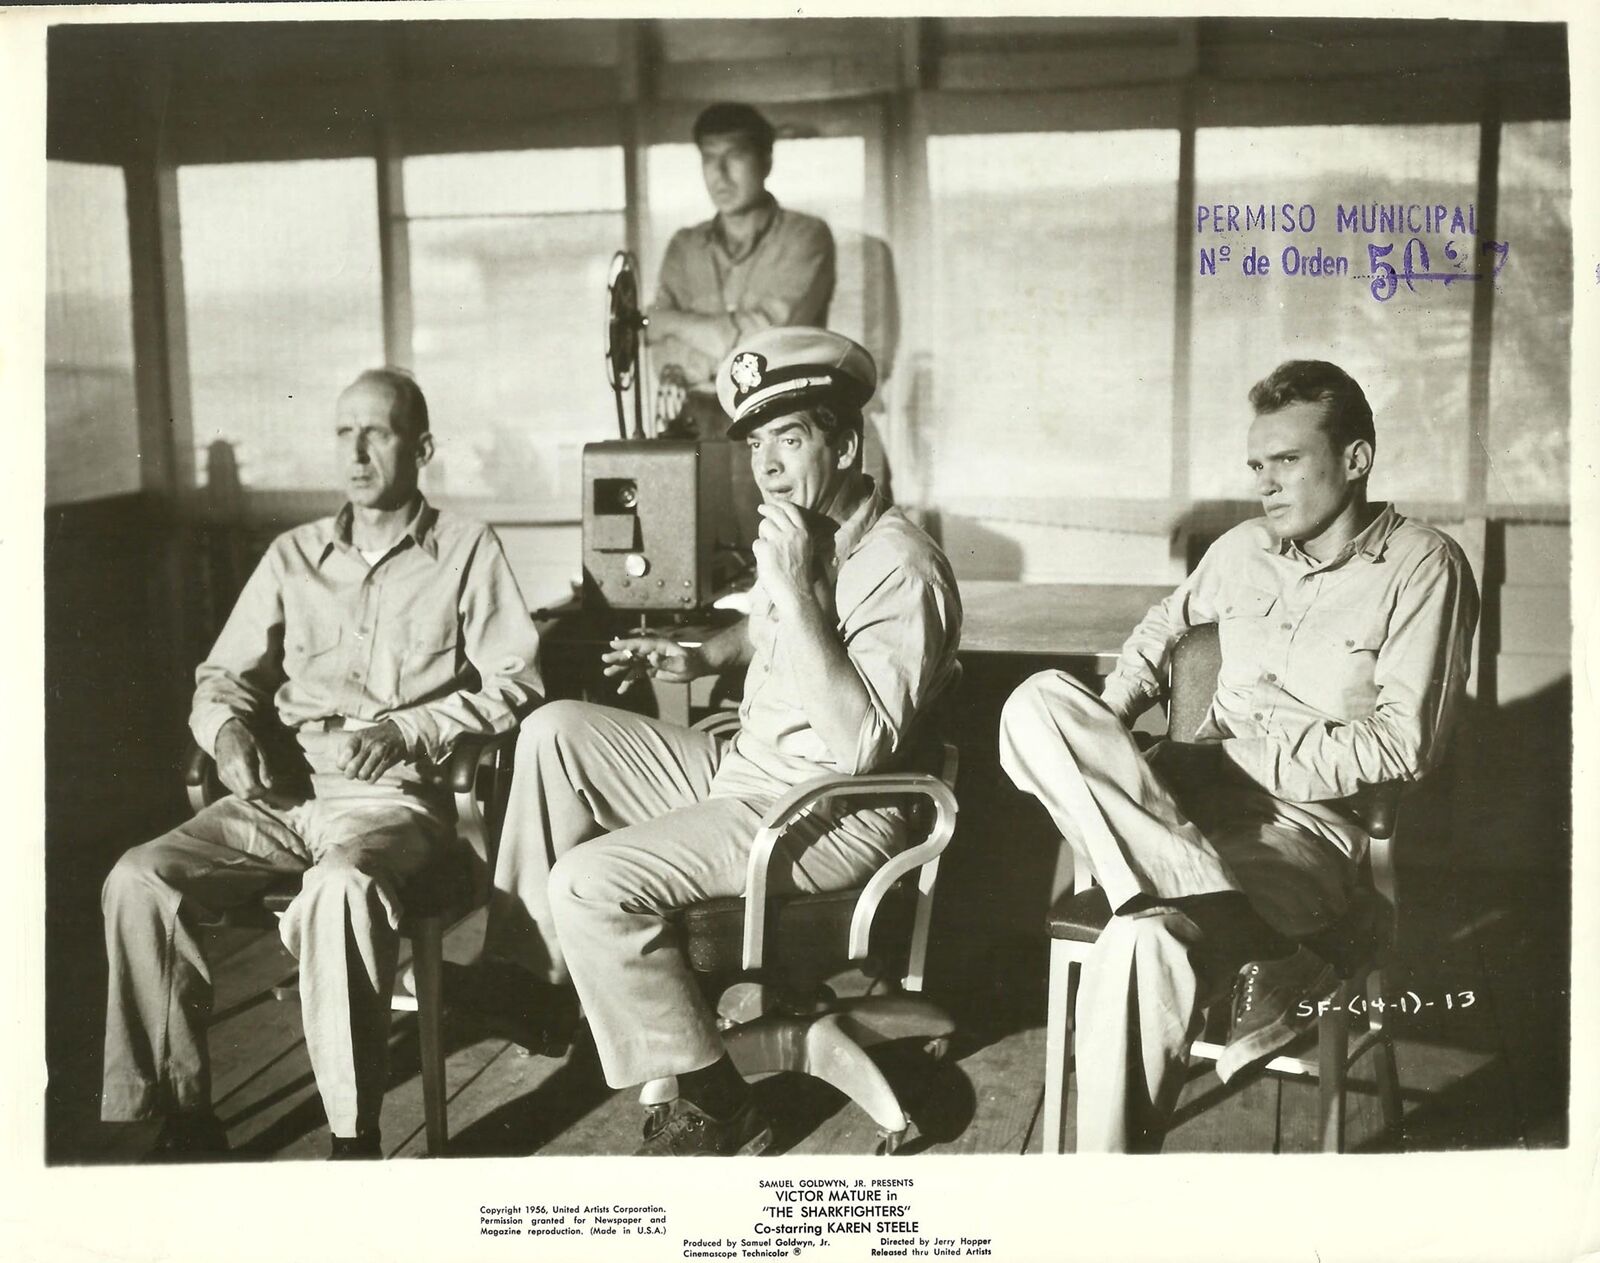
1193,667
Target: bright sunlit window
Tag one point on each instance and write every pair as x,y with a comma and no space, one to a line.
283,295
1530,393
509,253
1053,278
1409,352
92,426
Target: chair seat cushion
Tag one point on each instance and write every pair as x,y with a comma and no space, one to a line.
808,930
1081,916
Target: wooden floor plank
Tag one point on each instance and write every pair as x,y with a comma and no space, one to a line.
519,1102
1485,1076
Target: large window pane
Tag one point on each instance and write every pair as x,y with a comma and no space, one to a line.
282,289
823,176
509,253
1053,273
92,424
1410,353
1530,392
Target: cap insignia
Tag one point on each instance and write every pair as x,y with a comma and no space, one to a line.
746,371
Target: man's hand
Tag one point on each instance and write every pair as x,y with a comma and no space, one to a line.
785,554
635,657
672,393
367,754
242,762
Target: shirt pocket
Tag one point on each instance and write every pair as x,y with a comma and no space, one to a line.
430,658
1243,623
309,658
1345,643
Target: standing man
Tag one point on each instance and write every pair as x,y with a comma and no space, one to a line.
362,648
752,266
1346,635
851,636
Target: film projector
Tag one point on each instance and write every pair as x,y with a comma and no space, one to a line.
660,530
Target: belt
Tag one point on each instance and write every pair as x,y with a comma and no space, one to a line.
338,723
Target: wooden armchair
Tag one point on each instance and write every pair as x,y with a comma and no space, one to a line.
1077,919
478,775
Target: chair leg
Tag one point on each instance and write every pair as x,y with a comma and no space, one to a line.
427,948
1333,1051
832,1056
1388,1073
1389,1094
1058,1045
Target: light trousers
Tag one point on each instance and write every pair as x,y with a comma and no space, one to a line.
641,797
356,851
1144,986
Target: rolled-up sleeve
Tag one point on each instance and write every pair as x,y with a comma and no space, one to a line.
1420,677
901,641
245,666
502,645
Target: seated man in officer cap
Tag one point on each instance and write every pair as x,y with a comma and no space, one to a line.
851,635
364,646
1346,633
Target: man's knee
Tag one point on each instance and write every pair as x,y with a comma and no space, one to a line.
584,875
554,725
339,878
1041,702
137,875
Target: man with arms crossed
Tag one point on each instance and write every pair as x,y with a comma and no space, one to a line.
1346,636
362,648
752,266
851,636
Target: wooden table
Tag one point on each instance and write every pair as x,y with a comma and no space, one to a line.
1086,621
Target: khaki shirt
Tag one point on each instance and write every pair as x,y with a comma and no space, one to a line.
899,615
434,637
785,277
1335,674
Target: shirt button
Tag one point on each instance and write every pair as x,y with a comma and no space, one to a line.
1258,716
1270,678
1349,644
1286,626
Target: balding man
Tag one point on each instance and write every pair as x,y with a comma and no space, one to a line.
364,646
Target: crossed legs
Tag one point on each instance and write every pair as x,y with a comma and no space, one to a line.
1177,869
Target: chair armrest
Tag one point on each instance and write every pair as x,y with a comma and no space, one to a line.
460,771
1377,807
200,781
478,775
787,810
718,723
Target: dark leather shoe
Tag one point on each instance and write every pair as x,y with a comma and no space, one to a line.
689,1132
345,1148
190,1138
1274,1001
